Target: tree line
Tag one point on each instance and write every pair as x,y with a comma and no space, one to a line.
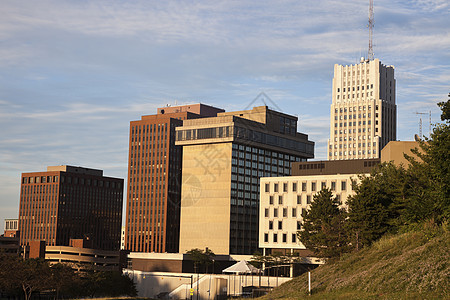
391,199
31,276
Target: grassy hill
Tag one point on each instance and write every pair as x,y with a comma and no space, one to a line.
413,265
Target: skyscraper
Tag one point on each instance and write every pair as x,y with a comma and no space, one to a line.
363,114
223,159
67,202
154,178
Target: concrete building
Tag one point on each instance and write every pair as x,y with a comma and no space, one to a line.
154,179
223,159
10,245
363,113
11,228
67,202
395,151
283,199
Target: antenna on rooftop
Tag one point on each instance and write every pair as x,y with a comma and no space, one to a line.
370,25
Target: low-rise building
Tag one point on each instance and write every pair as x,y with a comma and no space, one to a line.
77,255
11,228
283,199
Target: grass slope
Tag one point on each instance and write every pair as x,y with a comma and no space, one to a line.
413,265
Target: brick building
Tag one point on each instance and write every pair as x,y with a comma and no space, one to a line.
154,178
67,202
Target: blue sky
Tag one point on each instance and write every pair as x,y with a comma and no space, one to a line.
73,74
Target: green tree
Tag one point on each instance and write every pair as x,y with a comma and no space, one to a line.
378,205
62,278
201,258
323,228
430,174
32,275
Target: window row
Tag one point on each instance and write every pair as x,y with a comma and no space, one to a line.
40,179
284,237
354,109
294,188
344,124
360,152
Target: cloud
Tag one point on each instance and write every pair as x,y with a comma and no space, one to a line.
75,73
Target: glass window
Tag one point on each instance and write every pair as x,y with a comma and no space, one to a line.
299,199
308,199
275,238
270,200
280,199
266,212
266,237
285,212
313,186
294,186
294,238
275,187
333,185
303,186
280,225
270,225
284,237
294,212
343,185
275,212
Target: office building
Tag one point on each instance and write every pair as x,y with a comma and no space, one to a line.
67,202
363,114
154,179
283,199
223,160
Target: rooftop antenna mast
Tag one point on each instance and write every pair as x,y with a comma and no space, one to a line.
370,25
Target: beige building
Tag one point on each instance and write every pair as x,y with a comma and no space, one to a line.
223,159
363,113
283,199
395,151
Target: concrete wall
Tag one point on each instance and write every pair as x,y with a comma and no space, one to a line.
152,284
395,151
205,198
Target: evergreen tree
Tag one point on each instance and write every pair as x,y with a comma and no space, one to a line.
377,205
323,226
430,174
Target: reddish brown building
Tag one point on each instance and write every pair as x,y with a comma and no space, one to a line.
154,178
71,203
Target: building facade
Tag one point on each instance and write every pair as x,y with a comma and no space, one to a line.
67,202
223,159
154,178
363,113
11,228
79,255
284,199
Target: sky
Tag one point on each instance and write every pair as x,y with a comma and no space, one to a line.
73,74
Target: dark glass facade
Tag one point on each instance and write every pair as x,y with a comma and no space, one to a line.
58,206
249,163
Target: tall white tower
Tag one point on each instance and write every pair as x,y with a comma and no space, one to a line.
363,113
